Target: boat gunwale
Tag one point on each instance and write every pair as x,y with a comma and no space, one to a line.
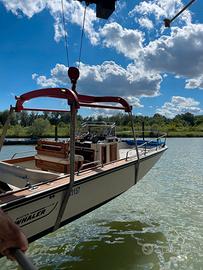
79,179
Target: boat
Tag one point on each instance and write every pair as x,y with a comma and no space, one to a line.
65,180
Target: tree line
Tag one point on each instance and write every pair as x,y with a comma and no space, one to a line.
35,124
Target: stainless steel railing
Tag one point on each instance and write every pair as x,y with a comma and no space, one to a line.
144,149
82,167
23,152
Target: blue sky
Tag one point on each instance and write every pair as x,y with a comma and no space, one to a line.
131,55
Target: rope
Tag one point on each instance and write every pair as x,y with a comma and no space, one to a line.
82,34
65,35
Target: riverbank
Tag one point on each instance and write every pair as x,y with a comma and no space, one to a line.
31,141
45,125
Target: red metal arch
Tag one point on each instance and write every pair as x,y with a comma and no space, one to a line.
71,96
63,93
87,100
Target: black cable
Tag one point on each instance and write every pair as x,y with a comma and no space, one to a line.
65,35
82,34
183,9
168,22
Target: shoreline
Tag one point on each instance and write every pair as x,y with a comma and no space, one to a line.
29,141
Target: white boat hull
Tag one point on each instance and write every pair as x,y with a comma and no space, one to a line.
36,214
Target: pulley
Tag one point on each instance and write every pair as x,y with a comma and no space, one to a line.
73,74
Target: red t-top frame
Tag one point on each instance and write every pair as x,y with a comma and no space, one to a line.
71,97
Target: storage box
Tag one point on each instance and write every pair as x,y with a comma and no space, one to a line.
54,149
55,164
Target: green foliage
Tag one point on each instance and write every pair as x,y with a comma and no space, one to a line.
39,127
17,130
26,124
3,116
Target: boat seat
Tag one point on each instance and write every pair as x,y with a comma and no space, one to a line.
57,164
51,148
19,176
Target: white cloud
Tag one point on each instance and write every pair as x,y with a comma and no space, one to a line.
180,54
162,9
107,79
179,105
145,22
126,41
59,31
43,81
58,77
194,83
96,113
146,8
73,11
26,7
134,101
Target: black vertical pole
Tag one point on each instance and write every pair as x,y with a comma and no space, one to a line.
56,133
143,130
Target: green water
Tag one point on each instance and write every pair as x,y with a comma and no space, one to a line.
155,225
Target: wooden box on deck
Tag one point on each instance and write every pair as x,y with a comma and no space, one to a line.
54,149
53,156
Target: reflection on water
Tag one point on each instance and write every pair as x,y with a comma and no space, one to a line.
21,150
123,245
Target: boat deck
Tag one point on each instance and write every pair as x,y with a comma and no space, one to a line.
61,180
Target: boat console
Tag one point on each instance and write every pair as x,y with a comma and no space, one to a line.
96,143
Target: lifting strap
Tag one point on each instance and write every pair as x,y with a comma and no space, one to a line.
137,164
73,75
67,192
